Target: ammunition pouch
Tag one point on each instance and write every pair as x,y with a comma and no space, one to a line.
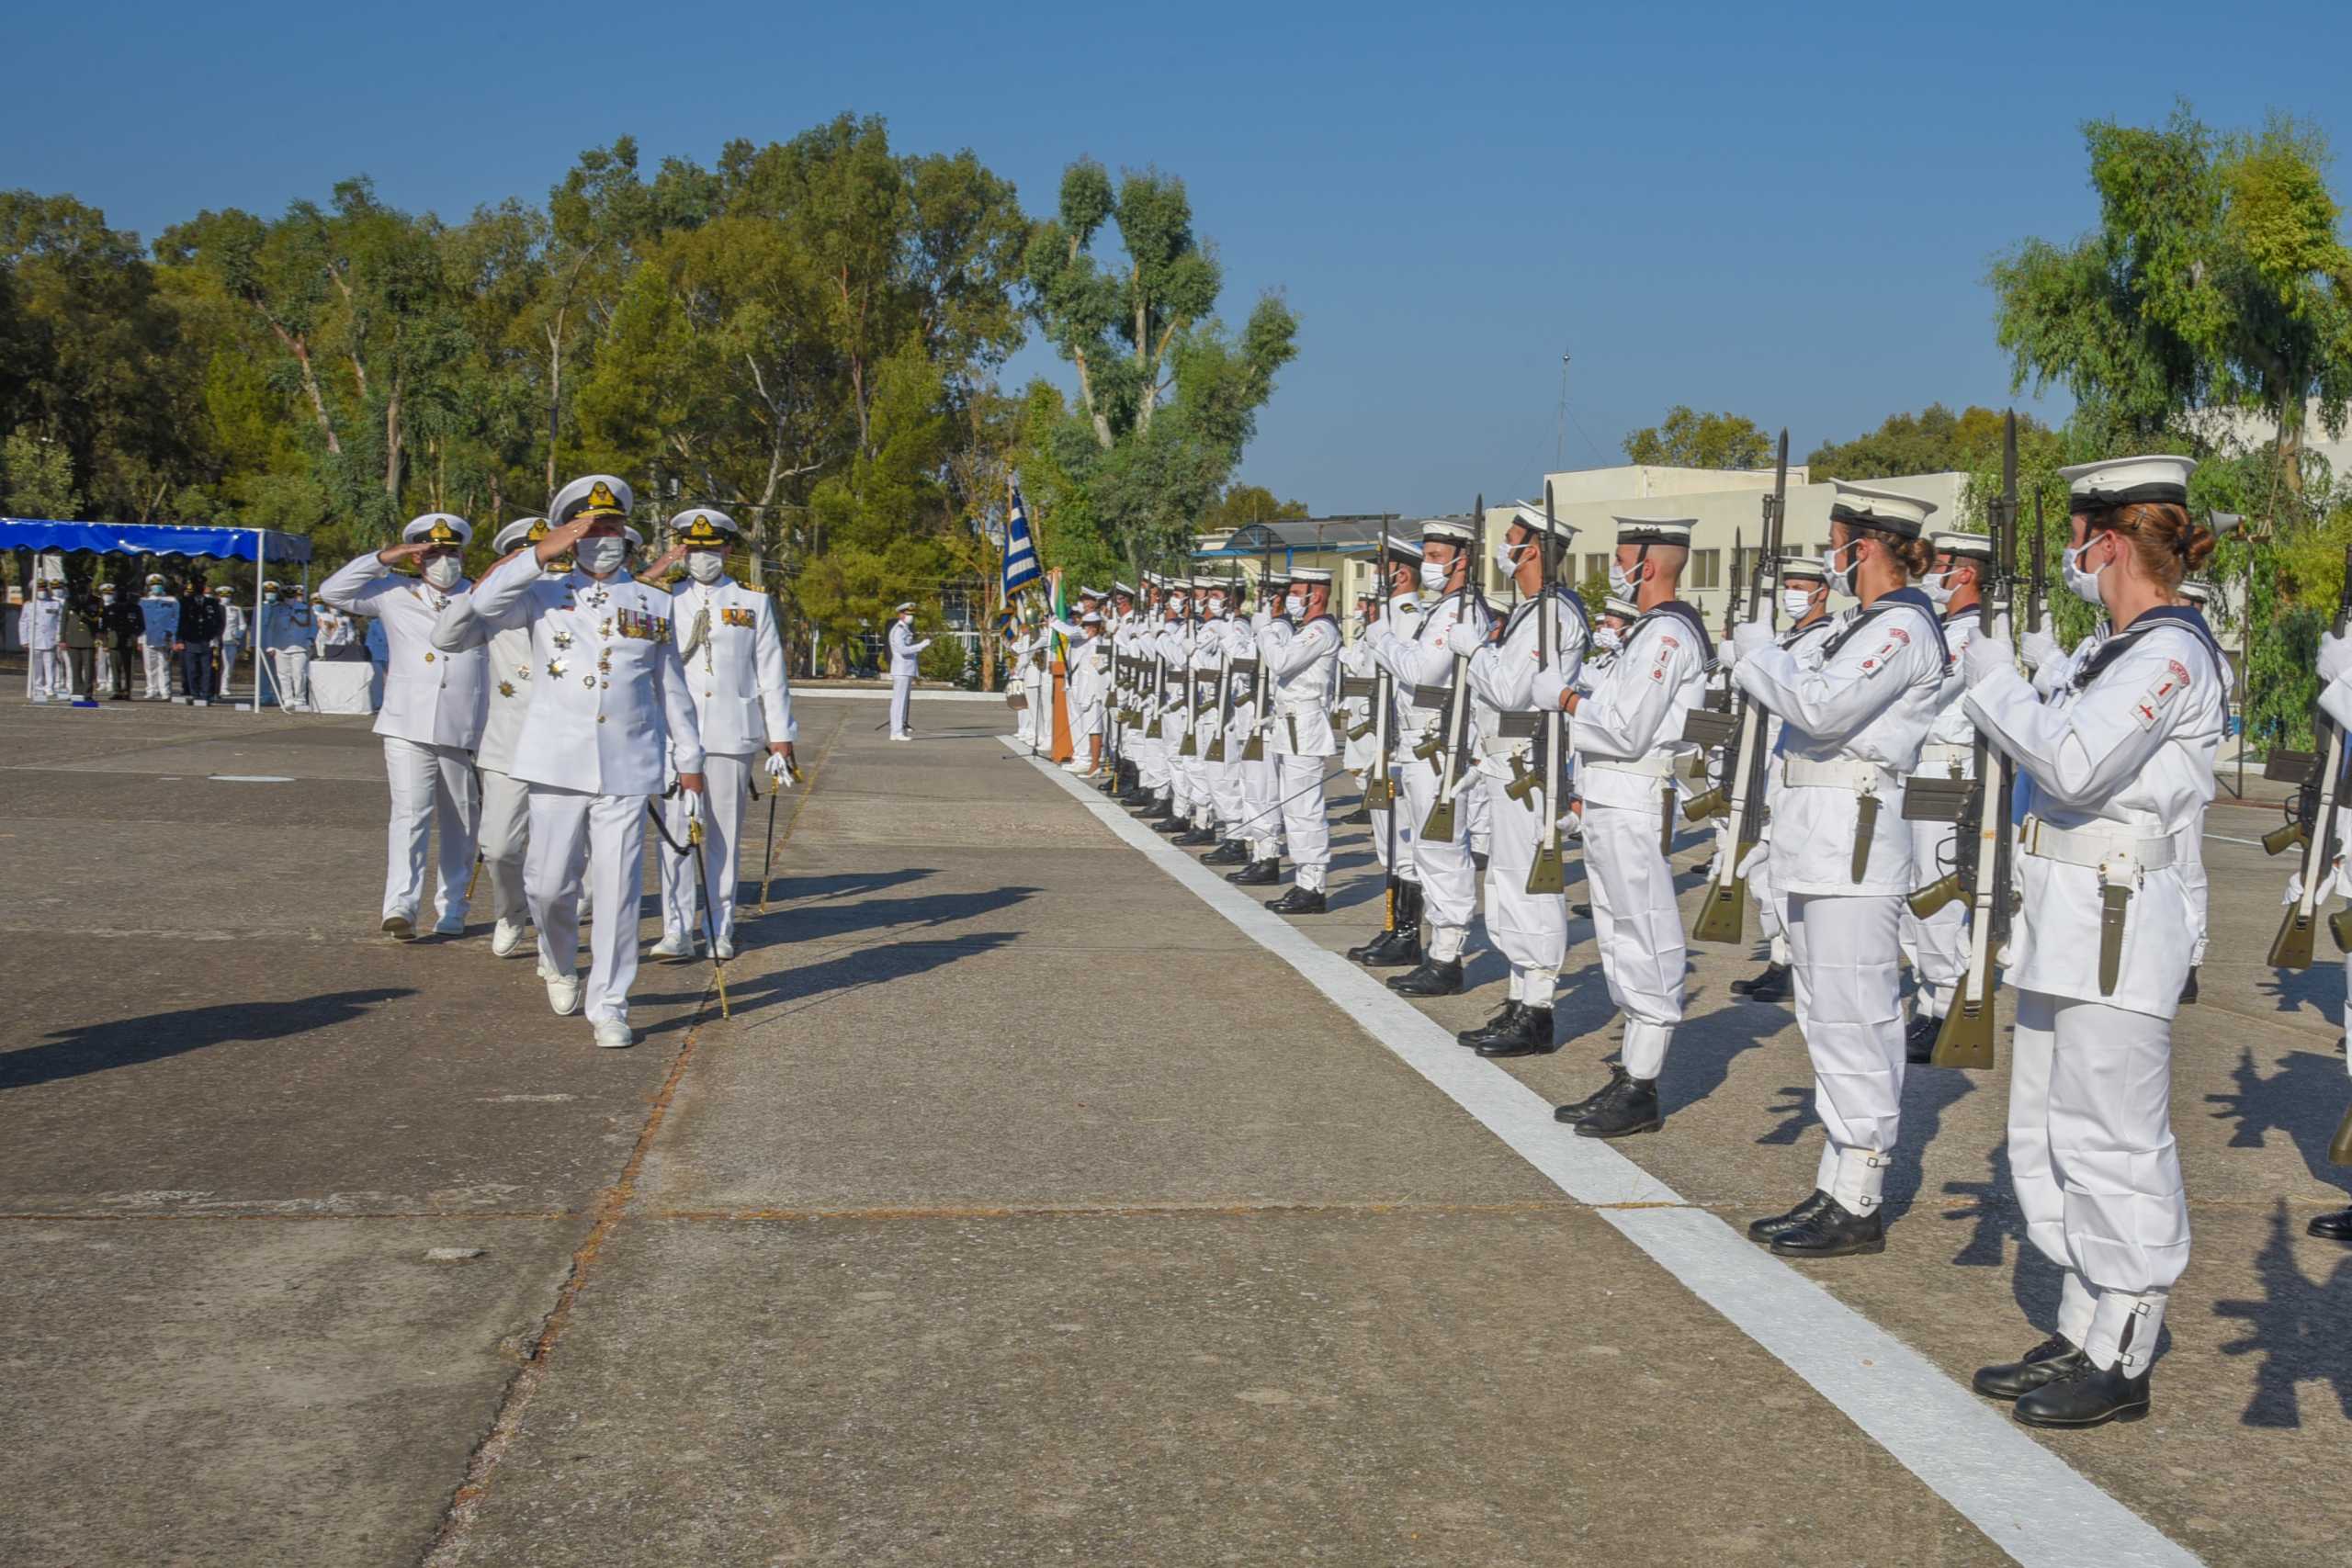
1709,727
1928,797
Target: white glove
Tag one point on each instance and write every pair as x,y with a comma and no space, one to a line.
1546,687
1986,656
1752,859
1462,640
2334,657
779,770
1750,637
2041,647
2294,887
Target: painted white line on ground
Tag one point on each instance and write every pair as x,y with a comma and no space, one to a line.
2026,1500
249,778
874,693
2225,839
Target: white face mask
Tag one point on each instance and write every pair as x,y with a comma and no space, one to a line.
1937,586
601,554
1433,575
2084,585
442,571
1609,639
706,566
1797,601
1841,579
1295,605
1621,581
1216,603
1506,556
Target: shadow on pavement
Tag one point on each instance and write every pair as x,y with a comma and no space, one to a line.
2305,1100
2299,1328
808,983
124,1043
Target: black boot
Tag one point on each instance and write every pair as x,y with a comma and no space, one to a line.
1172,824
2085,1396
1834,1232
1160,809
1531,1036
2336,1226
1399,949
2188,990
1498,1027
2053,1358
1771,986
1128,779
1300,901
1233,851
1195,838
1628,1107
1772,1229
1919,1040
1576,1111
1429,978
1257,873
1135,794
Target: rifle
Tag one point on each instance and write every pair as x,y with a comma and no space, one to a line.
1982,850
2311,819
1380,792
1714,723
1216,751
1454,736
1545,875
1723,910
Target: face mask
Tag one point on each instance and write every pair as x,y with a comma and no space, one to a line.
1216,603
1506,556
2084,585
442,571
600,554
706,566
1797,601
1294,606
1937,586
1433,575
1621,581
1841,579
1608,639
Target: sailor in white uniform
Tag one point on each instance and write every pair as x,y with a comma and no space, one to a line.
1804,599
1938,944
2113,768
160,613
1396,609
432,718
906,651
1302,663
610,715
733,656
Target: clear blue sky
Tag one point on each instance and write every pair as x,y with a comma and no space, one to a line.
1785,211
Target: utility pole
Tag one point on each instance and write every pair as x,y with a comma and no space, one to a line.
1560,438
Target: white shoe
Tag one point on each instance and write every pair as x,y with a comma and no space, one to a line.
672,945
1075,766
615,1034
449,925
400,928
902,738
563,994
725,949
505,938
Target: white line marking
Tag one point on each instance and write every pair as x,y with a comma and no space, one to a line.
249,778
2224,838
2026,1500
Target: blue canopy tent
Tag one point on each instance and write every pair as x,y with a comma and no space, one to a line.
259,545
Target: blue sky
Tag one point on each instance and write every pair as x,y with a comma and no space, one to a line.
1781,210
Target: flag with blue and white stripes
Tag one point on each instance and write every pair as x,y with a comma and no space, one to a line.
1020,567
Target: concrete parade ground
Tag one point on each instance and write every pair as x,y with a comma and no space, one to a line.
1043,1200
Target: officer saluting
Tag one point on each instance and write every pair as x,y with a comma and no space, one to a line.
432,717
614,689
733,658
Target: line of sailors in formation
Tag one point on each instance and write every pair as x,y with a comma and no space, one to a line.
531,716
2114,743
293,629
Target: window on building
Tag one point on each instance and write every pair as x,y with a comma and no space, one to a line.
1595,564
1706,568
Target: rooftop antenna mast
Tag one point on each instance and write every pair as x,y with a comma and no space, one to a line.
1560,437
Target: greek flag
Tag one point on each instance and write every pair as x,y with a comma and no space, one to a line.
1020,567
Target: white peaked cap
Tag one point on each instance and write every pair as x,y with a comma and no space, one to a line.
1612,606
1528,514
2197,593
2120,481
1978,545
901,609
1447,529
600,493
1796,563
1310,575
517,534
704,527
1409,549
636,540
439,528
1887,510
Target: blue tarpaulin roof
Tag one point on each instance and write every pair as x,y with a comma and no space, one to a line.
153,540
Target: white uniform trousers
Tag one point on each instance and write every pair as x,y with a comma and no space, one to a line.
229,668
726,783
1404,826
1024,722
2189,853
505,833
1530,929
1638,928
1261,817
292,669
1304,824
1225,789
45,673
159,669
432,796
1939,944
902,686
1150,754
1849,1005
2097,1177
1448,877
610,831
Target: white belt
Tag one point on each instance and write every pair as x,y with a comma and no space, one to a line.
1946,752
1660,768
2099,848
1846,773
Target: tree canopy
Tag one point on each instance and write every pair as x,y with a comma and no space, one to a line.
1688,440
1933,441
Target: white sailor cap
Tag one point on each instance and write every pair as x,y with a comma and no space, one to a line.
1310,575
1796,563
2128,481
269,585
439,528
636,540
1977,547
1654,530
2197,593
1446,530
1529,515
1406,550
902,609
1889,511
154,577
705,528
1612,606
522,531
599,495
1089,618
1123,588
1089,593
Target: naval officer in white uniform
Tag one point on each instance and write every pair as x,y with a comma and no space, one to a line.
608,698
432,718
905,650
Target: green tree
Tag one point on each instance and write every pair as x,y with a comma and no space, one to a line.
37,478
1690,440
1242,504
1933,441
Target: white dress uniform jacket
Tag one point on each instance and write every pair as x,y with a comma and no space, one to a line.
735,672
431,696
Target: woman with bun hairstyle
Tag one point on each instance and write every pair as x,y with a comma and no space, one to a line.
1853,717
2113,766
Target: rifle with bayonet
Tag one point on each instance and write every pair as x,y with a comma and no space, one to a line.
1216,751
1980,805
1546,874
1723,909
1452,751
2311,819
1711,727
